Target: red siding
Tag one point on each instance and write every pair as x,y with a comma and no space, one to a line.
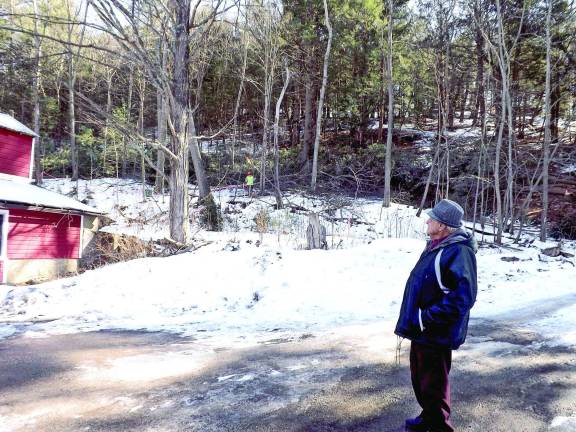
35,234
15,153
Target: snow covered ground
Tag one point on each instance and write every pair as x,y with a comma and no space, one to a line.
348,222
244,284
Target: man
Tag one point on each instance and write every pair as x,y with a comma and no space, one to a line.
249,181
438,297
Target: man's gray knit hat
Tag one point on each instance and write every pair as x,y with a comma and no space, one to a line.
447,212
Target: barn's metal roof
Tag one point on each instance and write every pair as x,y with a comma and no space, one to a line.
10,123
16,192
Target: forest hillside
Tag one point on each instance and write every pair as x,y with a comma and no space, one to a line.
410,101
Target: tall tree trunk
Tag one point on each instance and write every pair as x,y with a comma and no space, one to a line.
304,158
479,102
512,108
479,176
270,46
321,100
454,90
181,113
429,179
504,84
265,133
463,103
388,159
71,86
555,96
547,134
36,85
522,115
443,107
126,138
142,97
503,56
161,126
197,163
161,137
109,75
382,98
293,119
238,100
497,187
72,116
511,161
277,191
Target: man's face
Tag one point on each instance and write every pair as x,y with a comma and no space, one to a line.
435,229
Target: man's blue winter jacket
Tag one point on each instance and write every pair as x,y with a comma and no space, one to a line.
439,293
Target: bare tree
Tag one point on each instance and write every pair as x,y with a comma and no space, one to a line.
388,157
441,29
161,137
126,138
277,191
178,23
321,100
502,52
547,135
504,75
481,166
238,100
265,23
480,100
72,53
309,93
429,179
181,122
161,132
141,83
444,12
109,76
36,85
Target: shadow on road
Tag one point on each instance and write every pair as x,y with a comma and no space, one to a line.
499,384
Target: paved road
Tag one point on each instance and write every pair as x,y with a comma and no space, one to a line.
503,380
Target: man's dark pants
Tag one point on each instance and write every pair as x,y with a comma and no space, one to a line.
429,367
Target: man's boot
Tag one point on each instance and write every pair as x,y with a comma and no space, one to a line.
417,424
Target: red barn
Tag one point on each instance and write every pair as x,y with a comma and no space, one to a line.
42,234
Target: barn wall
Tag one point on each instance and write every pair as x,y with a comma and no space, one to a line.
15,153
40,228
38,270
41,235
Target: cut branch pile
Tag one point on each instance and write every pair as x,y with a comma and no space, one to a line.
109,248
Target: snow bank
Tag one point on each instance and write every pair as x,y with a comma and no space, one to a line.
240,294
245,287
212,290
563,424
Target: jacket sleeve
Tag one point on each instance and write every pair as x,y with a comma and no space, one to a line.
458,272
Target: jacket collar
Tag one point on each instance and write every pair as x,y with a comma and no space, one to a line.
458,236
